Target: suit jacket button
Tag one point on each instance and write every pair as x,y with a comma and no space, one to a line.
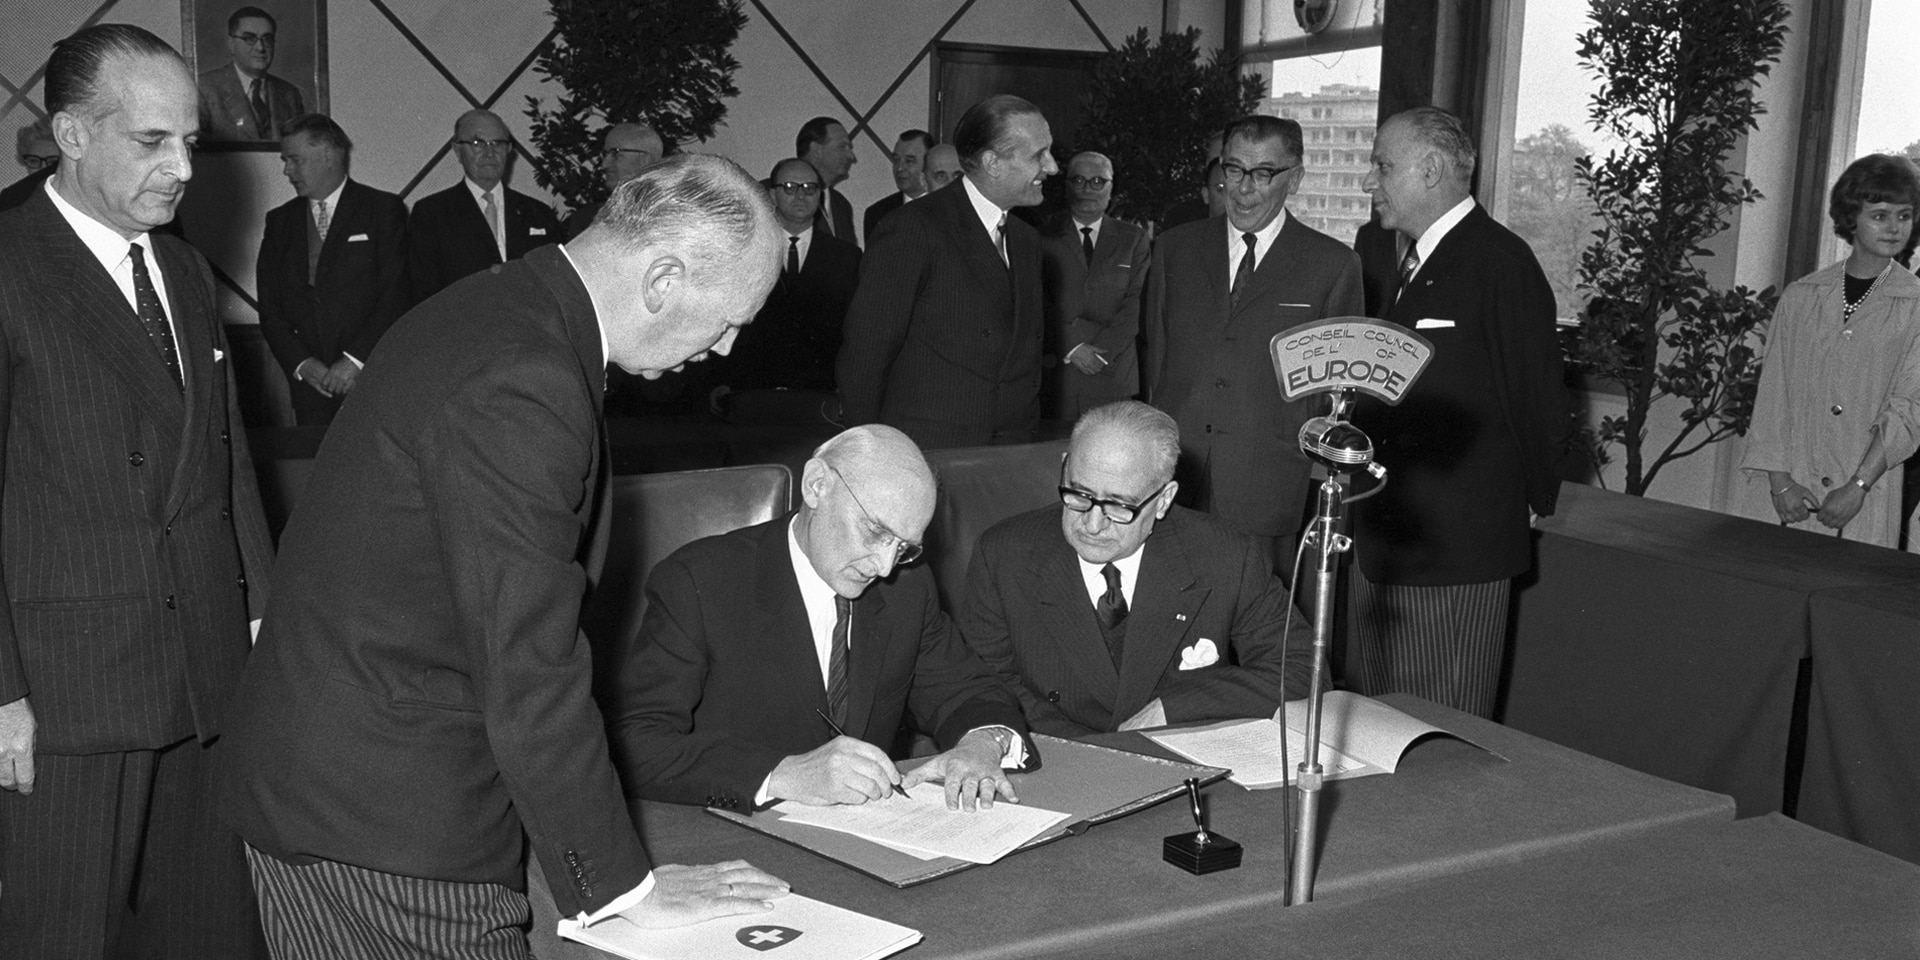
136,458
240,581
170,605
225,514
1053,696
225,438
1838,409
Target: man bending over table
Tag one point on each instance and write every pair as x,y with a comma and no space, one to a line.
760,645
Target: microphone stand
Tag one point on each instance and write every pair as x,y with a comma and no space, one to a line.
1340,446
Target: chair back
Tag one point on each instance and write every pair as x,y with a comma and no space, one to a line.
655,514
979,487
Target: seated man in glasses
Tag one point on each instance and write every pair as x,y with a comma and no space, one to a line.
1118,610
775,662
480,221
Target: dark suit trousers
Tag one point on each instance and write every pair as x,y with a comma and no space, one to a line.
120,855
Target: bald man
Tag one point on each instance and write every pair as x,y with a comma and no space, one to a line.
479,221
1093,267
725,703
628,149
943,166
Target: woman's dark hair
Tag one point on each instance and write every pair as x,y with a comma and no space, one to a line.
1875,178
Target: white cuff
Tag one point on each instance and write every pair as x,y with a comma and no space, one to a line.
620,903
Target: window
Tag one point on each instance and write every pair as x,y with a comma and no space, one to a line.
1330,82
1887,120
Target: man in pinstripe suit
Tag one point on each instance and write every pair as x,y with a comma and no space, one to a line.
134,545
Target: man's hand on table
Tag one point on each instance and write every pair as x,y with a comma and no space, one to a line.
843,770
687,895
971,772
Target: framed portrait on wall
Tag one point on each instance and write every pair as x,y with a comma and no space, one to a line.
260,63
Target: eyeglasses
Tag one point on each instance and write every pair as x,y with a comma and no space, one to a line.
254,39
1094,182
804,189
904,551
1117,511
484,146
1262,176
40,163
613,152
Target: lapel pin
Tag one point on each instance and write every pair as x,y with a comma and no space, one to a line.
1180,617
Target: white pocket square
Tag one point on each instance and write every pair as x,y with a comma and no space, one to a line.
1202,654
1432,324
357,238
536,231
219,354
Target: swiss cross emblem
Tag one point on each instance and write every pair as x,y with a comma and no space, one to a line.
766,938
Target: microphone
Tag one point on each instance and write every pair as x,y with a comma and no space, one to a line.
1336,443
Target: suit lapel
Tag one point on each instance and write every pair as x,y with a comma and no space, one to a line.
1411,305
976,244
468,213
193,319
1166,599
1213,254
1067,618
781,634
867,650
1281,263
108,324
339,227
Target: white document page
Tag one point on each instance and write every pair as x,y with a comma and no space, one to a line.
921,821
1251,749
803,929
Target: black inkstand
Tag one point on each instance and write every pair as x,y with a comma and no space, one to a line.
1200,851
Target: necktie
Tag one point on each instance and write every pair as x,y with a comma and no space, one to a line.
1112,612
493,221
793,256
1244,275
837,661
1086,244
1000,239
153,316
1408,265
262,120
320,219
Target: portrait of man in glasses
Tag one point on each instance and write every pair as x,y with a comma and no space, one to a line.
1217,291
1117,610
240,100
776,662
480,221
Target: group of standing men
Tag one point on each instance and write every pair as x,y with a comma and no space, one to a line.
416,715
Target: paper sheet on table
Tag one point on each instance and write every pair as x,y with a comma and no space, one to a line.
1359,737
803,929
921,822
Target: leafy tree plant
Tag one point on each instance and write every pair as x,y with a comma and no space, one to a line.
1151,107
662,62
1677,91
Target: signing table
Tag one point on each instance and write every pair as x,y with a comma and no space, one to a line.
1450,810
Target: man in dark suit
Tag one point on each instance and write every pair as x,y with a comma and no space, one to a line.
792,341
734,704
1218,291
628,149
1094,268
943,337
824,143
417,715
479,221
331,272
240,100
909,176
1470,451
1118,610
134,545
40,155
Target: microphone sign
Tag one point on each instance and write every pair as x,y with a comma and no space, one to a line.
1349,353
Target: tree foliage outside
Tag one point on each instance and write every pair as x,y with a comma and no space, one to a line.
665,63
1677,85
1151,107
1549,208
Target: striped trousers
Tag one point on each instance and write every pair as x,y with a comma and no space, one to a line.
334,911
1444,644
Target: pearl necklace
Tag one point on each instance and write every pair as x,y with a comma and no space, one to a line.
1846,313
